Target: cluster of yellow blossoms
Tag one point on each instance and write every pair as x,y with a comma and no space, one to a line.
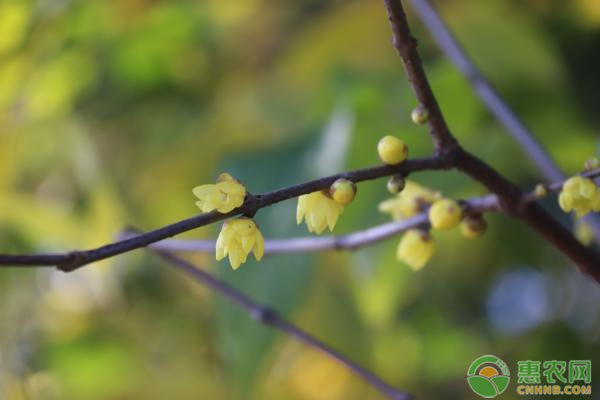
581,195
238,236
417,246
322,209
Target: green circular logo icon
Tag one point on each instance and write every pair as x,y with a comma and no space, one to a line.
488,376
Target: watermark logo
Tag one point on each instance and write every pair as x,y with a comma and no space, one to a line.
561,378
488,376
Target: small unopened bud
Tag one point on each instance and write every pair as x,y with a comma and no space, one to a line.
473,226
591,164
583,232
392,150
420,115
343,191
540,190
396,184
445,214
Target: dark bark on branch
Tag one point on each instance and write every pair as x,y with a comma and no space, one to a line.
494,102
512,200
76,259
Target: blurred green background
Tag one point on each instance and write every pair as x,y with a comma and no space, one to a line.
111,111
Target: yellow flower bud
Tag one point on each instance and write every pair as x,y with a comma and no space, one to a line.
319,211
396,184
415,249
591,164
392,150
583,232
473,226
540,190
343,191
237,238
420,115
445,214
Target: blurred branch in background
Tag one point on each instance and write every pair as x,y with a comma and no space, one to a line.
492,99
268,316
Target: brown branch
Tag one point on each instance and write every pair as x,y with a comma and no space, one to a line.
449,154
76,259
407,48
268,316
490,97
357,239
512,200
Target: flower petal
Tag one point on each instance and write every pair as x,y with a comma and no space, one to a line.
248,242
225,177
232,188
259,246
235,257
204,190
220,248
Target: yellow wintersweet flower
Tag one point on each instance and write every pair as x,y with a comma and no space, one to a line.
410,201
415,249
237,238
224,196
319,211
579,194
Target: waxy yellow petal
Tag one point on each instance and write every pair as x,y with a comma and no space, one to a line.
238,237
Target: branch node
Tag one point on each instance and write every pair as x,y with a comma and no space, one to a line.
251,205
74,260
449,153
264,315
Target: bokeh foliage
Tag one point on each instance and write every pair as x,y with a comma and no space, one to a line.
111,111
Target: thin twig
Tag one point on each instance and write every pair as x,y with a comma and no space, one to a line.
512,199
76,259
492,99
557,186
268,316
407,49
486,92
356,239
